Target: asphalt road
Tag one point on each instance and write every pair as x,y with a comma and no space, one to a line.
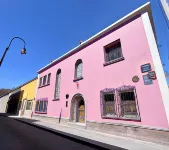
15,135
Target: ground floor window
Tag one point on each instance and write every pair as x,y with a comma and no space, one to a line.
109,104
119,103
41,106
29,105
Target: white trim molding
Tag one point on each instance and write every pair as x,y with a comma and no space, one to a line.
157,62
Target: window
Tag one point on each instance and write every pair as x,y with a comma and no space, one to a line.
44,79
57,85
109,104
78,69
113,51
40,81
48,81
41,106
128,103
119,103
29,105
37,106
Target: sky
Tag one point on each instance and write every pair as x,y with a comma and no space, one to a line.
52,28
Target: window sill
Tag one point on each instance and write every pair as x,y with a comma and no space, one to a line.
43,85
37,112
56,99
77,79
113,61
136,118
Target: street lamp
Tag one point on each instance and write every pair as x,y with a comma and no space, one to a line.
23,51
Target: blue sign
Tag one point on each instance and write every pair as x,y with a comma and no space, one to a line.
147,80
145,68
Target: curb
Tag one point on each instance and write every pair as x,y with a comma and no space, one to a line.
78,139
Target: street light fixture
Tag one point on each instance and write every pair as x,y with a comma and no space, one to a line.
23,51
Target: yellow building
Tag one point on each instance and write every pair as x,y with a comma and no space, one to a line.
27,97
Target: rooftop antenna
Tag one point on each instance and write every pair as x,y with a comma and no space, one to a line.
80,41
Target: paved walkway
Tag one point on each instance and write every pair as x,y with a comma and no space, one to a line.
118,141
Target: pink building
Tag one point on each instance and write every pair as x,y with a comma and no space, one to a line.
113,82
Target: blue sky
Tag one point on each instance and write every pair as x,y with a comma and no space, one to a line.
51,28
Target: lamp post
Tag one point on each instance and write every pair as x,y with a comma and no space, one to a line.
23,51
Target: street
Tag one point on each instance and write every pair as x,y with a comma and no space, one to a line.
15,135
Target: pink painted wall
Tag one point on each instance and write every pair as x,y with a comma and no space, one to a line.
136,51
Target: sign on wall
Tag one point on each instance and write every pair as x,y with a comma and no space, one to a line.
145,68
152,75
135,79
147,80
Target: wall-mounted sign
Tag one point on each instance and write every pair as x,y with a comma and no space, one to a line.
152,75
135,79
147,80
145,68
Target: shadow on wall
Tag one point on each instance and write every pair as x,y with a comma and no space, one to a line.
13,104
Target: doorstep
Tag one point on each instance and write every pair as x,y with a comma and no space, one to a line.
104,138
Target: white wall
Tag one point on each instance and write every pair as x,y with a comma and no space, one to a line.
3,103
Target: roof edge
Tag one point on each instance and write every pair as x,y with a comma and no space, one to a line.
24,84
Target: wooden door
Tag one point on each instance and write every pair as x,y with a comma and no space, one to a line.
81,112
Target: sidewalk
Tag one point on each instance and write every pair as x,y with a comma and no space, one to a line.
123,142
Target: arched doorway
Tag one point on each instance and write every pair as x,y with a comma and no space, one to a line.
77,109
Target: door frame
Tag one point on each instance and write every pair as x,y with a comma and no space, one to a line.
70,112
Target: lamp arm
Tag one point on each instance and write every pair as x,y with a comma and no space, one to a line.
16,37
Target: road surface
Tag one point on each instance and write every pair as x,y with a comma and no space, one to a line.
15,135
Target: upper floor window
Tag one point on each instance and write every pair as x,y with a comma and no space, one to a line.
45,80
40,81
57,85
48,80
119,103
78,69
113,52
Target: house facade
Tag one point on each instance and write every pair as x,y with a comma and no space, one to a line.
19,101
113,78
27,97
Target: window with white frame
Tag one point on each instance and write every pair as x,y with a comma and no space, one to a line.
48,79
44,80
57,85
78,69
119,103
113,51
29,105
41,106
40,81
